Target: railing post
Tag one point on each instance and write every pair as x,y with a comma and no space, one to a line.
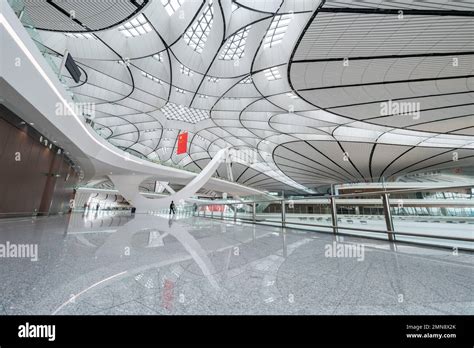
212,213
235,213
254,207
332,204
388,216
283,214
222,211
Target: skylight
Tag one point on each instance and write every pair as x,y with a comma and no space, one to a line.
247,80
80,35
196,36
212,79
235,46
171,5
183,113
277,30
158,57
136,27
180,90
151,77
272,74
292,95
186,71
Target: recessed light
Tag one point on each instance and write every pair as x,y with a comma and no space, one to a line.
32,124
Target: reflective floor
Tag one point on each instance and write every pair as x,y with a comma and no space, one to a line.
119,264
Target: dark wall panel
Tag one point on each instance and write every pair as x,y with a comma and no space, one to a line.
37,182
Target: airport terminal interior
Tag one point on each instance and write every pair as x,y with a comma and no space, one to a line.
247,157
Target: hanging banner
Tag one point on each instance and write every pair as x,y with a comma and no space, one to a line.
182,143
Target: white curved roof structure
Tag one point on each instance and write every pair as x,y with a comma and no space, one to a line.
323,91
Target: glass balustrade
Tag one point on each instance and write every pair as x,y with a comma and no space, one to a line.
422,216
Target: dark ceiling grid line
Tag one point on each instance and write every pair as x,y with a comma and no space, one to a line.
428,158
198,11
291,61
167,48
328,158
225,123
257,51
237,83
437,164
371,156
285,145
118,116
396,12
390,56
210,65
422,110
387,82
118,80
400,98
265,12
223,39
109,102
89,30
315,172
295,47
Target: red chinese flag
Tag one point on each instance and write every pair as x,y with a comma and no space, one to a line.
182,143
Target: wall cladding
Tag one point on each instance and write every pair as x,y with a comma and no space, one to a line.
33,177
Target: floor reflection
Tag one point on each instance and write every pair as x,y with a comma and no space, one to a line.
103,263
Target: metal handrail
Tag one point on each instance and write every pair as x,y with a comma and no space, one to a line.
331,203
372,193
370,230
359,229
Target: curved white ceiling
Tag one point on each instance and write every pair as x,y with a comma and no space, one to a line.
301,82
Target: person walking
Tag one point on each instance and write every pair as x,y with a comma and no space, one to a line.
172,206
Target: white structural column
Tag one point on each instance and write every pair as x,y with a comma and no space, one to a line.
128,186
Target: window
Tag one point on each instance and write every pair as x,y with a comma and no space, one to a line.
196,36
235,46
277,30
180,90
171,5
183,113
80,35
186,71
203,96
212,79
272,74
136,27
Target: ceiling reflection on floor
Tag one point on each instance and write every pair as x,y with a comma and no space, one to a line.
116,263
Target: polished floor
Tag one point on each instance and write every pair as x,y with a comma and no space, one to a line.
101,263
